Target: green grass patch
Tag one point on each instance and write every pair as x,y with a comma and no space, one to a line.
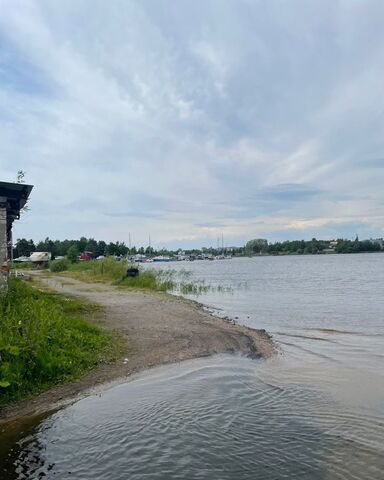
159,281
173,281
112,271
106,270
21,266
46,340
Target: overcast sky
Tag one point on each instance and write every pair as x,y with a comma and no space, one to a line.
188,119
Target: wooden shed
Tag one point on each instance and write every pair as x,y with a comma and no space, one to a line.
13,197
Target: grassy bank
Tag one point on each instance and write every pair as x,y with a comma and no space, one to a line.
45,339
110,270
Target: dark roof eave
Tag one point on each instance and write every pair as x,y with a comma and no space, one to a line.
16,195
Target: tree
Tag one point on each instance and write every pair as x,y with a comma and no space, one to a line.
91,246
257,245
23,248
81,244
101,248
111,249
73,254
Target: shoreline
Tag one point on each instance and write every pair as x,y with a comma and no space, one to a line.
155,329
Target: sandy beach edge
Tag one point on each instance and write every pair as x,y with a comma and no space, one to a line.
157,329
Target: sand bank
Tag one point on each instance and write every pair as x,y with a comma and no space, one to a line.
155,329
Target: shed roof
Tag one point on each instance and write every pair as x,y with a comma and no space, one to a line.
14,196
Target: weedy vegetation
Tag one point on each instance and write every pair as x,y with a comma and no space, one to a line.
109,270
45,339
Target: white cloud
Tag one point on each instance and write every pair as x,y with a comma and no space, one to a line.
202,120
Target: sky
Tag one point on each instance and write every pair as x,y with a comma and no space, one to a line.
186,120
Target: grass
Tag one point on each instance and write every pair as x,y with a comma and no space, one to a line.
107,269
149,280
110,270
21,266
46,340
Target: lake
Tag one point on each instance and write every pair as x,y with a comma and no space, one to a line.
315,411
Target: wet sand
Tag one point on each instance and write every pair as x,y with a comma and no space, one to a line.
155,329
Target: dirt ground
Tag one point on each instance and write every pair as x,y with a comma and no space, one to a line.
155,329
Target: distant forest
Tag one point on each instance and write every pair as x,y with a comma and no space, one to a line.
314,246
25,247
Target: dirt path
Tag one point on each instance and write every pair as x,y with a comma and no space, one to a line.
156,329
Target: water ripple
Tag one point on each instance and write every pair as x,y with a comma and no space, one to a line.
217,418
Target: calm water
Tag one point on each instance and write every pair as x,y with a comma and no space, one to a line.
316,411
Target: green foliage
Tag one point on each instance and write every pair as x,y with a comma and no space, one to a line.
111,270
23,248
258,245
73,254
44,340
356,246
107,269
313,246
59,265
21,266
169,281
160,281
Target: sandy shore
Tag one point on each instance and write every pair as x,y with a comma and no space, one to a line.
155,329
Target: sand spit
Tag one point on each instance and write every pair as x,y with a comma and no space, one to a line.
156,328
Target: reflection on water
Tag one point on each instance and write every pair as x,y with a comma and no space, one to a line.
316,411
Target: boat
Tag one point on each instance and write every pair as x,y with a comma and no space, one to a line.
162,258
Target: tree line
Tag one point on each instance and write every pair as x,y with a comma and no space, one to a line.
314,246
24,247
59,248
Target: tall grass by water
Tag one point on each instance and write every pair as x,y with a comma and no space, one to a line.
110,270
45,339
107,269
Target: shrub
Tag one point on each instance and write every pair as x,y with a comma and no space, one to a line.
59,265
73,254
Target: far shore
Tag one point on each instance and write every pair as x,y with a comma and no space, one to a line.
155,329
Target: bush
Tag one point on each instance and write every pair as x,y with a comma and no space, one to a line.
59,265
73,254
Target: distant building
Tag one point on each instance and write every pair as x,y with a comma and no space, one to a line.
332,246
13,197
40,259
85,256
